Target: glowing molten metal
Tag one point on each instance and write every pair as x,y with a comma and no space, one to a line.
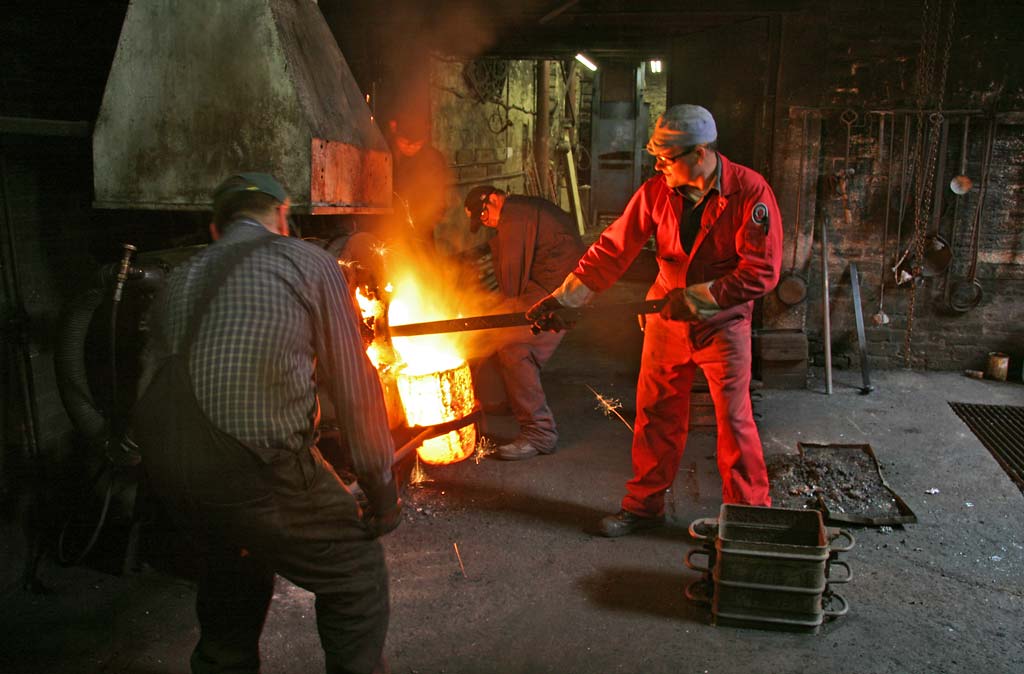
433,379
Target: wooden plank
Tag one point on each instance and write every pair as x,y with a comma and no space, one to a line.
574,186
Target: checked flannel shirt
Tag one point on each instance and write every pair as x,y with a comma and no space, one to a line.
283,310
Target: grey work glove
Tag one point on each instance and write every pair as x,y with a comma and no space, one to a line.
679,307
383,511
544,315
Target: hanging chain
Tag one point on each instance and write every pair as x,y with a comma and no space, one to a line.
922,79
929,167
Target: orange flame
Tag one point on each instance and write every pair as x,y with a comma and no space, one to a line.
433,398
433,379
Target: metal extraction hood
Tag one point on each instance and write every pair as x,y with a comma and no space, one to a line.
200,90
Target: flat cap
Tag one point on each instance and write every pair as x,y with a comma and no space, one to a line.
249,182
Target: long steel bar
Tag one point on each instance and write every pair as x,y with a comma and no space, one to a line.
862,342
519,318
826,320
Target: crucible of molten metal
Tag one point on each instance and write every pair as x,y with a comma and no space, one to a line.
427,388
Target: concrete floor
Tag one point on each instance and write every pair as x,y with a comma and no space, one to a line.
541,594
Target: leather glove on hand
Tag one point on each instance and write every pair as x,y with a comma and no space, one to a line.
383,511
544,315
679,307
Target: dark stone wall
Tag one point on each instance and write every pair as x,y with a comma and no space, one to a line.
54,58
863,58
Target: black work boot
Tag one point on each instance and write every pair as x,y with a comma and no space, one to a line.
624,523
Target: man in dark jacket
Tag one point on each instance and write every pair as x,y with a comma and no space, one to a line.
535,246
227,426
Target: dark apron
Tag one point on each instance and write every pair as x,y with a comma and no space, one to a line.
214,485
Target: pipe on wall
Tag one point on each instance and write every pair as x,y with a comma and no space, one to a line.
541,131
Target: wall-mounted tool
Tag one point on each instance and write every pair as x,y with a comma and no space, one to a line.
906,179
966,294
880,317
826,330
792,287
961,184
848,118
928,253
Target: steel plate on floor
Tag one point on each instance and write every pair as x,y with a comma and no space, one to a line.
849,485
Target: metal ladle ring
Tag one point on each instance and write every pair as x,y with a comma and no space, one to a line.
965,295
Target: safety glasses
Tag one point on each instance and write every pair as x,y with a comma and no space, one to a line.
663,159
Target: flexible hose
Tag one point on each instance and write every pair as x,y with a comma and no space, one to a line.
100,521
73,386
116,426
69,362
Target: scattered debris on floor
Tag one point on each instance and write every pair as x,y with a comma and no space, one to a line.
462,566
841,480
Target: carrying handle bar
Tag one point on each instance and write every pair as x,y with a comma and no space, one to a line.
710,522
698,551
837,612
841,533
846,579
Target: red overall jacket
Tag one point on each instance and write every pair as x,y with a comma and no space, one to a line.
741,254
739,248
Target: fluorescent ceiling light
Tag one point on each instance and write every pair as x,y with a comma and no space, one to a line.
587,62
655,66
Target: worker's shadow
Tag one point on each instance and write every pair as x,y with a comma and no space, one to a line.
641,590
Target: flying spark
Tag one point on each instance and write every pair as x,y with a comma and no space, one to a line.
484,448
610,406
419,476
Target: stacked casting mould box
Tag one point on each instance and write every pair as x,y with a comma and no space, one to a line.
769,568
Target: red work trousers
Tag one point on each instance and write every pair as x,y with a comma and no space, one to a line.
667,370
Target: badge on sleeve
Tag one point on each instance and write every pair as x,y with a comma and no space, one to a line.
759,216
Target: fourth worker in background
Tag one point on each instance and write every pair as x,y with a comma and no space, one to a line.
535,246
719,236
421,178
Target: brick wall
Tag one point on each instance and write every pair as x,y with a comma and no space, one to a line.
484,116
54,66
863,57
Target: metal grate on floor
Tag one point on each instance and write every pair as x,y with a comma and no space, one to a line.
1001,429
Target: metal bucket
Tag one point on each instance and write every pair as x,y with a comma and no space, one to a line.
998,366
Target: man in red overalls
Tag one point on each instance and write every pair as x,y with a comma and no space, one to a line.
719,236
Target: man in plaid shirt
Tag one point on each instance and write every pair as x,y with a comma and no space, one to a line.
227,426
